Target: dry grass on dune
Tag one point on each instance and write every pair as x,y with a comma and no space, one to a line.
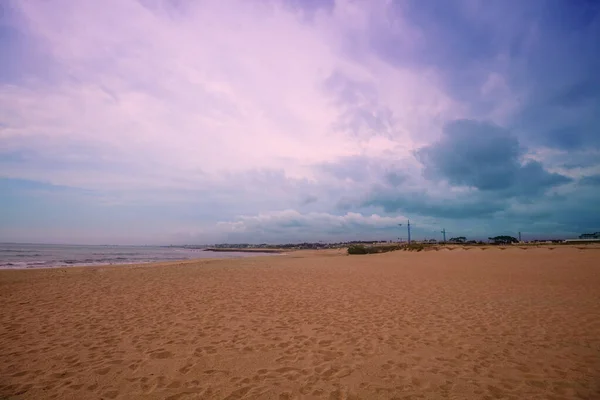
504,324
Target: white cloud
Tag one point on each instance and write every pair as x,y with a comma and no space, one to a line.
198,89
270,226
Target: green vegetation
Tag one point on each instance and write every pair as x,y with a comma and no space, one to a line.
358,249
362,249
414,247
375,249
503,240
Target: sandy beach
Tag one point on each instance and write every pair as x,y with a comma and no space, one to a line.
450,324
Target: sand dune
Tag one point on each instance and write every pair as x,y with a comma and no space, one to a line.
505,324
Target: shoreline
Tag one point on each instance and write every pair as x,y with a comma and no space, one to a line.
249,250
295,253
38,260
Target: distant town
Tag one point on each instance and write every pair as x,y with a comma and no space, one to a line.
497,240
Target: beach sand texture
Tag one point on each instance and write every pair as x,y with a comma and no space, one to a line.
460,324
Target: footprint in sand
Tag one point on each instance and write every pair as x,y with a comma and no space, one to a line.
161,355
239,393
186,368
174,385
103,371
111,394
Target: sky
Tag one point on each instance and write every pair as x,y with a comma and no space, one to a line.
184,121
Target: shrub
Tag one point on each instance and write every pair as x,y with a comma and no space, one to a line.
361,249
414,247
357,249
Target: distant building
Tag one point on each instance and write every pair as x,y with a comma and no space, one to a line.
595,235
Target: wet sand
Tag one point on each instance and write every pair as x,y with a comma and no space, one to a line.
461,324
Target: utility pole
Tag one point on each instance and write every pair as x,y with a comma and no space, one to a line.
408,227
519,236
444,232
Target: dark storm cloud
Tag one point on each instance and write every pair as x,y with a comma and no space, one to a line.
546,52
592,180
422,203
486,157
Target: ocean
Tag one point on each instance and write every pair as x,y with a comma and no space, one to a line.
21,256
